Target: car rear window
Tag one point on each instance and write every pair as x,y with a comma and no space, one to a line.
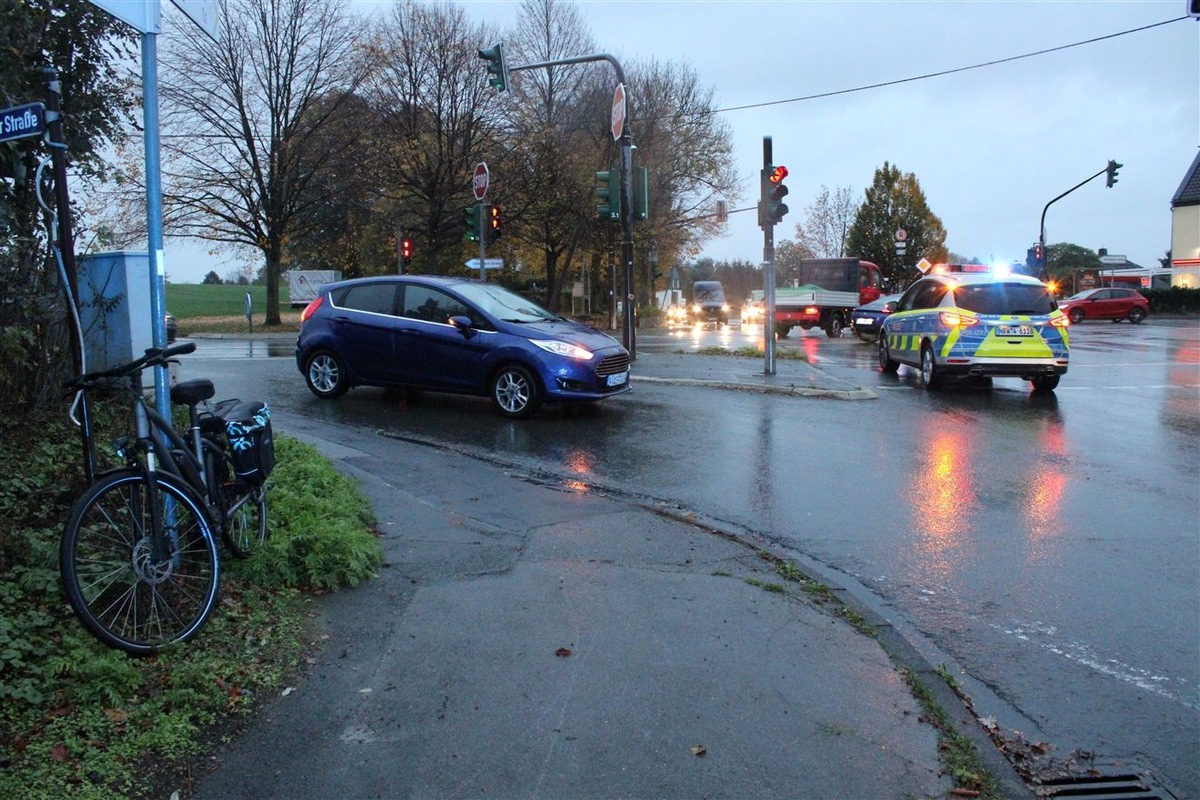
1004,298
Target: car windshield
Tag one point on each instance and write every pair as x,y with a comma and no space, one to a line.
1004,298
500,302
708,294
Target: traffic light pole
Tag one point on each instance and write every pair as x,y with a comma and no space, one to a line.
629,336
482,244
1042,225
768,277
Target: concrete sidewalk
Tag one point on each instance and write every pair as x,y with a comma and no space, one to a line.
529,641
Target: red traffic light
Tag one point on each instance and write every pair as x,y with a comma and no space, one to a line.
406,249
778,174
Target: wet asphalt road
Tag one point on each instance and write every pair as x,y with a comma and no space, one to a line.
1047,550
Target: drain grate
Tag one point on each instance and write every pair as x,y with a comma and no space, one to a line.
1100,787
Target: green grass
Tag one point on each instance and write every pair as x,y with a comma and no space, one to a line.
190,300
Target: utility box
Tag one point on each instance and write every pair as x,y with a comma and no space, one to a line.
114,307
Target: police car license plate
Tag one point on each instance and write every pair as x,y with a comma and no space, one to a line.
1014,330
617,380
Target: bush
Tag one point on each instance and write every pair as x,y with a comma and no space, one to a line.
1175,300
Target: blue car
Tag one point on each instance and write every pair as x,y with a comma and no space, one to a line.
867,320
454,335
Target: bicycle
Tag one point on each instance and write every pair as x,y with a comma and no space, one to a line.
138,557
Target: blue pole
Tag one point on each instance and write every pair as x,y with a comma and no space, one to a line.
162,398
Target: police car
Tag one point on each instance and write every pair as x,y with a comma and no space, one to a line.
967,323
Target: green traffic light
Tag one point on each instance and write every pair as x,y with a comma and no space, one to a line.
497,69
471,223
608,191
1111,178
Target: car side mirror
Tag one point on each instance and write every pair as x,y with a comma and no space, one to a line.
888,308
463,323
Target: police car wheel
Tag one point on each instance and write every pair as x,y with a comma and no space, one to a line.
886,362
1046,384
931,378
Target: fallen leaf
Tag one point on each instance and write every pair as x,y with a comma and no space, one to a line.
60,753
287,691
699,751
116,714
563,652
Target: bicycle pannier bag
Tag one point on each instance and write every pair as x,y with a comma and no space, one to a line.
248,427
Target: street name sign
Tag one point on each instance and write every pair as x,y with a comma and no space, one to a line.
21,121
488,263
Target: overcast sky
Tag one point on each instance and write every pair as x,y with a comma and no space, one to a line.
989,146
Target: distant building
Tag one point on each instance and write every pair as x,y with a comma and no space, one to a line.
1185,228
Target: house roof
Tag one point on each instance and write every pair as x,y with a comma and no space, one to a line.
1188,193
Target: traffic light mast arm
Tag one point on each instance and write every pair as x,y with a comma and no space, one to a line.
1042,225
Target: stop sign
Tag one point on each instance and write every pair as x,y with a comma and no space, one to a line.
479,181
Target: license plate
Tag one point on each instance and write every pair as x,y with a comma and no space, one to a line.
618,379
864,321
1014,330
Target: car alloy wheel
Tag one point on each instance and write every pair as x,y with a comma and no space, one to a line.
886,362
1136,315
931,378
326,376
1076,316
515,392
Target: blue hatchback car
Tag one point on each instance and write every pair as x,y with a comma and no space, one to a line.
454,335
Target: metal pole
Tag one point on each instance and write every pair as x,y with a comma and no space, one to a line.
483,226
1042,224
162,398
627,240
768,276
399,249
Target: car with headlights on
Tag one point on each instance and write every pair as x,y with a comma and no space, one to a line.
454,335
990,325
866,320
1115,303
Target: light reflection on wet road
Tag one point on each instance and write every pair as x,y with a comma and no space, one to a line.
1047,545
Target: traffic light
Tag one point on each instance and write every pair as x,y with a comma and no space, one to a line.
471,222
1111,178
608,191
641,193
493,231
497,69
771,208
406,250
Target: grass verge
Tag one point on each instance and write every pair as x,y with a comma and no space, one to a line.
79,720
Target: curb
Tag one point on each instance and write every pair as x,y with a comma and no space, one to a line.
790,389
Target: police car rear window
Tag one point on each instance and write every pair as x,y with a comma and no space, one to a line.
1004,298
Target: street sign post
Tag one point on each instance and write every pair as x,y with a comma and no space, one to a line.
21,121
479,187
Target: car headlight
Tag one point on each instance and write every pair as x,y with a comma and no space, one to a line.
563,349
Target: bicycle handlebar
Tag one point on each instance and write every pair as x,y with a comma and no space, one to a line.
154,356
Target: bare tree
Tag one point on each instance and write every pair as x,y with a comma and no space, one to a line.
826,223
557,143
431,94
248,124
687,150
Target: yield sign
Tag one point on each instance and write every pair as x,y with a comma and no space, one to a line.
618,111
479,181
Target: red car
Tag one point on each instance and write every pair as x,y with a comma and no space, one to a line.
1110,303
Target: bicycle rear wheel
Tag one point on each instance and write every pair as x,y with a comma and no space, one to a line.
121,593
243,508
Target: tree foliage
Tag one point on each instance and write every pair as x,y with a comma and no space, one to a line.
894,200
91,53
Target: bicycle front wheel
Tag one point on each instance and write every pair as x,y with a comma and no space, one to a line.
126,595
